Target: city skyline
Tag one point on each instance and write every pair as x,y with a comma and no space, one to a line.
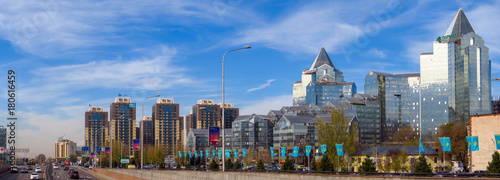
71,58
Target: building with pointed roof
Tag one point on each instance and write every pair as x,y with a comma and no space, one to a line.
322,83
455,77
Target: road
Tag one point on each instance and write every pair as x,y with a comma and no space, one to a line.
59,174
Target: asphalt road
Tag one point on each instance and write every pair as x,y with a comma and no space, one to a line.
59,174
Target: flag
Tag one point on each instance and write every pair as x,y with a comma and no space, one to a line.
185,154
201,154
272,151
244,151
283,151
98,149
195,154
308,150
137,145
207,153
92,155
497,141
323,149
235,153
180,154
473,143
106,150
228,154
445,143
190,156
213,152
219,153
340,150
295,152
421,149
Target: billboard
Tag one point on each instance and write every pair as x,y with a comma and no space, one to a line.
124,160
137,145
213,136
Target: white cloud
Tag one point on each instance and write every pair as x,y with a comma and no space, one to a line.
262,106
374,52
262,86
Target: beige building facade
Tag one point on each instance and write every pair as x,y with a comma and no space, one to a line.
484,127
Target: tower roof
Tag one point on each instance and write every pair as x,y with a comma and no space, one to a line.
321,59
460,25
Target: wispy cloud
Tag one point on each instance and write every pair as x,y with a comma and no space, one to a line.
262,106
374,52
262,86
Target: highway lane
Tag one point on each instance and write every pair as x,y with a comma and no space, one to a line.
14,176
84,173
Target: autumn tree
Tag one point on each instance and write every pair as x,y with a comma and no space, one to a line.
407,136
73,158
338,131
399,160
457,131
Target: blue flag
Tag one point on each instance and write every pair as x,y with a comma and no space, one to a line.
421,148
185,154
235,153
497,141
283,151
228,154
473,143
207,152
244,151
323,149
213,153
201,154
190,156
180,154
195,154
340,150
219,153
445,143
98,149
308,150
272,151
295,152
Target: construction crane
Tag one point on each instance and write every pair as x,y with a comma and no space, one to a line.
496,79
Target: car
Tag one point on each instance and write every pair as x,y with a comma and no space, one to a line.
13,169
86,165
34,175
443,174
24,170
66,168
70,170
30,167
74,175
131,166
38,169
479,173
56,167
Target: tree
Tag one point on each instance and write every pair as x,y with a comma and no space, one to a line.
399,160
368,165
407,136
312,165
40,158
325,164
494,165
260,165
229,164
213,165
287,165
422,166
457,131
73,158
237,165
338,131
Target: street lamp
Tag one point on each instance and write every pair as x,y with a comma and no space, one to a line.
223,105
142,118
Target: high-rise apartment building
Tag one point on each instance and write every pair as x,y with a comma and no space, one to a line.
167,125
148,134
63,148
96,127
207,114
455,76
123,123
322,83
398,95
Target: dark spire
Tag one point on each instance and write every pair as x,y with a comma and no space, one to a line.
321,59
460,25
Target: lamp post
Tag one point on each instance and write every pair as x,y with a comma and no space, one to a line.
223,105
142,134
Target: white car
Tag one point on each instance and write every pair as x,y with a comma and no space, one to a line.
56,167
38,169
34,176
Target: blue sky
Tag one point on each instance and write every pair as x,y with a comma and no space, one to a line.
69,54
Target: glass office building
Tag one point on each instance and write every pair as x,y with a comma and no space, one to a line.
322,83
291,130
455,76
252,132
398,97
